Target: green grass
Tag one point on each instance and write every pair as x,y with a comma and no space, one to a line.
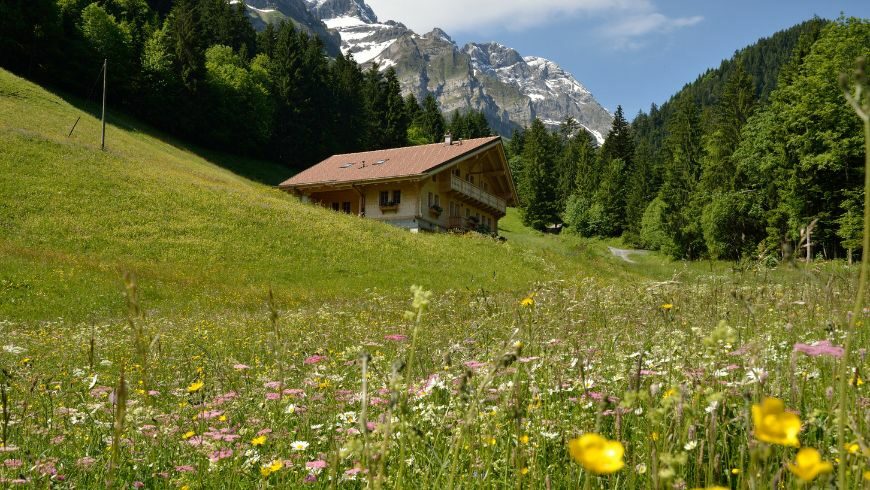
465,388
198,235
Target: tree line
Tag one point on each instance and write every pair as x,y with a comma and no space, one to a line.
739,163
197,69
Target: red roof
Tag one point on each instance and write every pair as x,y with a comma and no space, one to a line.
386,164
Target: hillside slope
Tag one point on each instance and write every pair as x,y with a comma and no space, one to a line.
73,219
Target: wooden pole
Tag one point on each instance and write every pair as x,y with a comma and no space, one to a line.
103,138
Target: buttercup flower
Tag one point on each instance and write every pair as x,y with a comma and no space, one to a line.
270,468
597,454
808,464
774,425
259,440
195,386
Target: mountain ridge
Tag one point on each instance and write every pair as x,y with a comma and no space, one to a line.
474,76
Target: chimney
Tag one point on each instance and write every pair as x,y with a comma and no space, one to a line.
448,139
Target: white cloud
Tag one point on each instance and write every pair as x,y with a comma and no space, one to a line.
624,21
627,32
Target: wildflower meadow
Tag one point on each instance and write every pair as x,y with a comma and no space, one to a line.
721,381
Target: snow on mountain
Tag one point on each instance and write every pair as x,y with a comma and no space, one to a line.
554,93
510,89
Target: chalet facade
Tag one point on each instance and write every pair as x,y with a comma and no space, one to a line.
454,185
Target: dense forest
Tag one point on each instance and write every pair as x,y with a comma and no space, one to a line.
738,164
198,69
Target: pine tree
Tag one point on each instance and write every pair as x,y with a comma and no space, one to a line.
350,110
682,170
185,38
430,120
537,185
619,143
397,120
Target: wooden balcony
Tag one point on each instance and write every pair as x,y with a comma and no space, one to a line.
476,195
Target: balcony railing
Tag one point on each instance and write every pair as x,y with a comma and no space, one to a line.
477,194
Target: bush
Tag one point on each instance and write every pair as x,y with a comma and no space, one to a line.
652,231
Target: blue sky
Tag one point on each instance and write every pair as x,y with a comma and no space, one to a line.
628,52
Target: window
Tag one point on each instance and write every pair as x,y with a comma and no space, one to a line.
431,201
335,206
437,200
385,198
467,212
434,178
456,172
345,206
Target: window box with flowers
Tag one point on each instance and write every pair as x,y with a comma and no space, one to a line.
435,210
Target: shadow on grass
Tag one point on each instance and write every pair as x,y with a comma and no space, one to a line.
262,171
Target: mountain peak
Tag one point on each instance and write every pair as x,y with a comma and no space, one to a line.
437,33
342,9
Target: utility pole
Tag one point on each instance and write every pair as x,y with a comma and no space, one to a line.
103,139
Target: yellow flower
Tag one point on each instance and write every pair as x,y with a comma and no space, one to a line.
773,424
259,440
524,470
528,301
735,471
671,392
597,454
667,306
270,468
195,386
524,439
867,475
808,464
856,380
188,435
654,436
222,418
852,448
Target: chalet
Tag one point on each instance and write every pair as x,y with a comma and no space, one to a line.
454,185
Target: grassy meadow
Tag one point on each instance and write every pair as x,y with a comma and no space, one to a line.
140,348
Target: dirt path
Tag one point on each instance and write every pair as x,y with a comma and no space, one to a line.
624,253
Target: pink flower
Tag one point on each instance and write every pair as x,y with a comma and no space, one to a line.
294,392
210,414
195,441
396,337
315,359
138,484
821,348
86,462
241,367
273,385
528,359
317,464
220,400
153,392
12,463
273,396
185,469
264,432
474,364
220,454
